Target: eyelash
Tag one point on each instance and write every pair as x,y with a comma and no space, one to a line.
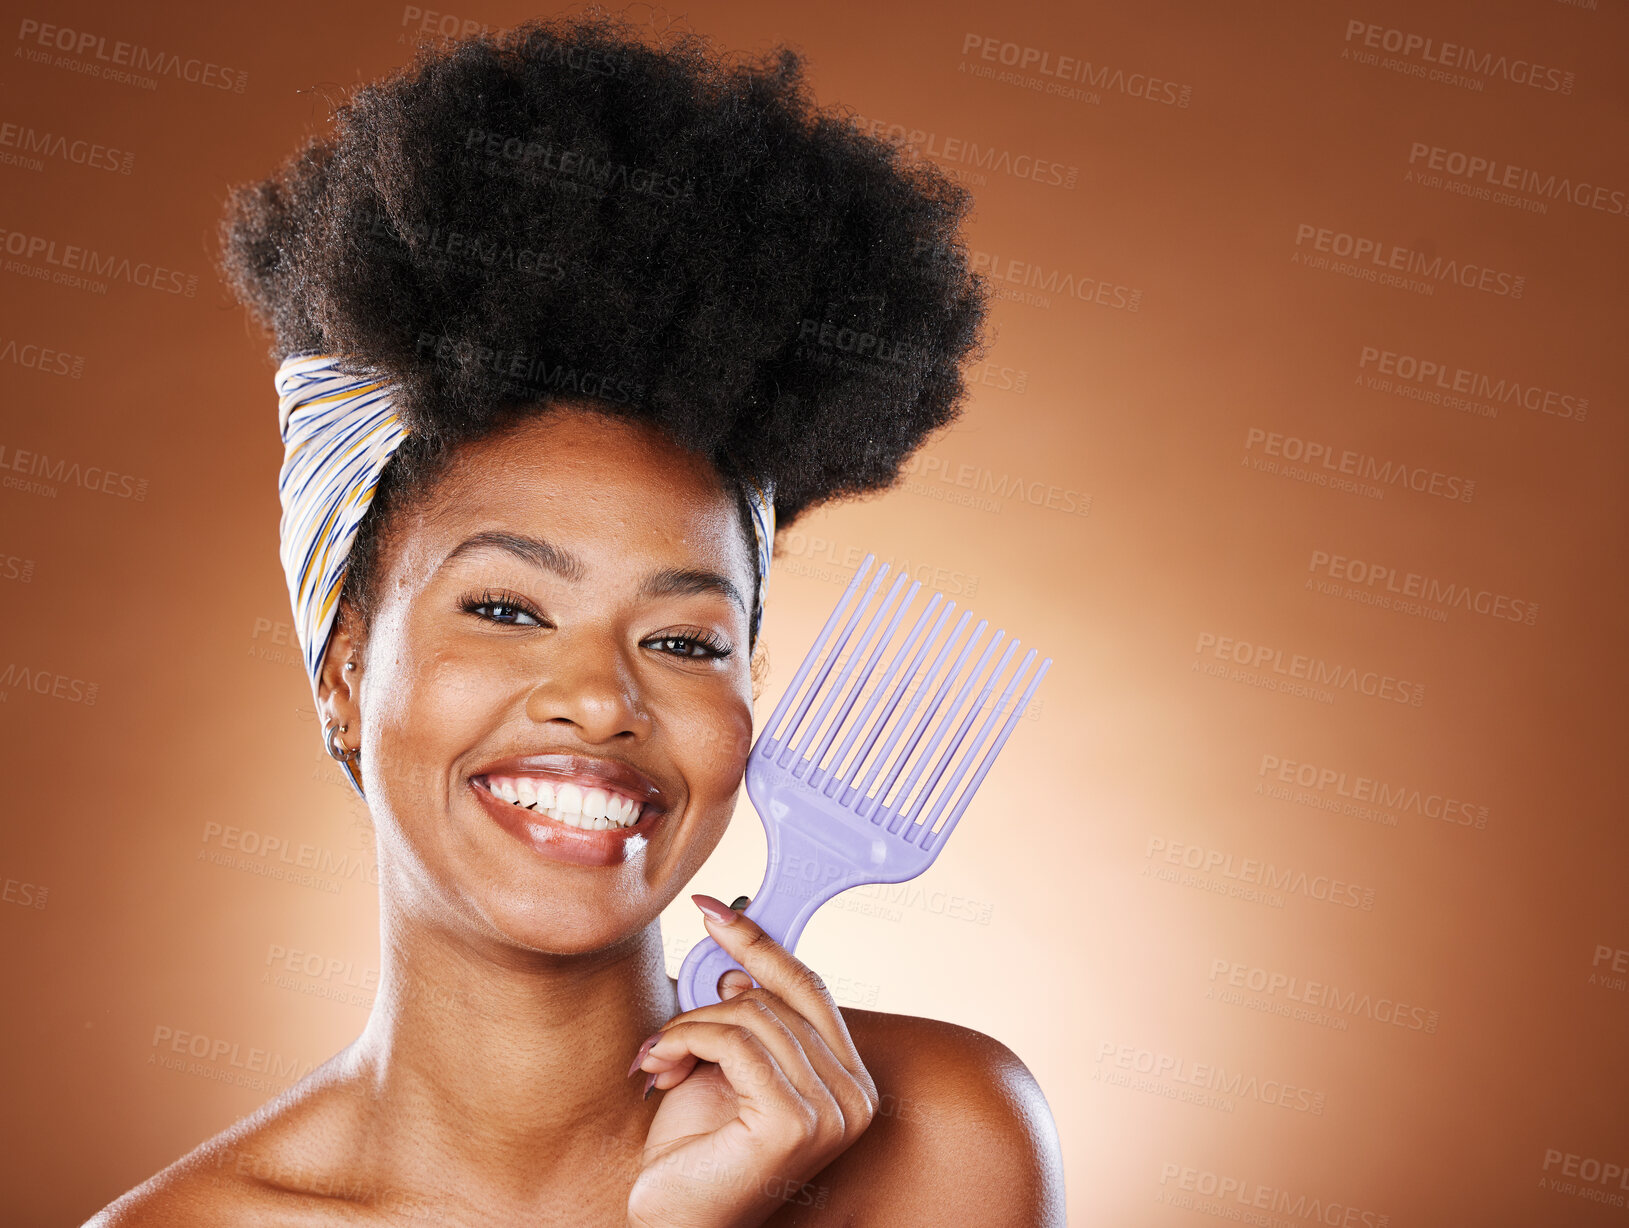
474,603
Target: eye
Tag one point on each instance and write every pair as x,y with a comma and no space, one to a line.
699,645
504,608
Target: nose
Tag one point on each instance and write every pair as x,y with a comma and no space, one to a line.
590,687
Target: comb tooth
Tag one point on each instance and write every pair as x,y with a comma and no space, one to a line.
852,768
814,653
949,713
906,817
839,773
866,803
848,671
935,707
865,675
931,839
792,726
927,837
932,708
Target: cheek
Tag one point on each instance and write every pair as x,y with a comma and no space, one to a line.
430,706
713,737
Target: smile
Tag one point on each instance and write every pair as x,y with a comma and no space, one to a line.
593,808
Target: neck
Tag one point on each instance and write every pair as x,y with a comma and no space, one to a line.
504,1067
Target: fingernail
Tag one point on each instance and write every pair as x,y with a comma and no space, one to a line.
718,910
643,1050
740,902
650,1086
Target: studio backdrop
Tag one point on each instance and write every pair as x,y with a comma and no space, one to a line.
1299,446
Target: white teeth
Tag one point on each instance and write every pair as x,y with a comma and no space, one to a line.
593,809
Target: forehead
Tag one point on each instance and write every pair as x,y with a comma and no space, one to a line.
615,491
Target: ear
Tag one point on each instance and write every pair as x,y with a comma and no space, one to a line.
760,667
339,690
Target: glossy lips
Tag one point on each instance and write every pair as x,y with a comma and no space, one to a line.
574,808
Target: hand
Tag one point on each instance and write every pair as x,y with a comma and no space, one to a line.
760,1091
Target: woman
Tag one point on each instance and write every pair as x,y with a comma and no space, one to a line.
610,309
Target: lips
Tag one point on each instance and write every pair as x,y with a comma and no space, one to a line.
580,809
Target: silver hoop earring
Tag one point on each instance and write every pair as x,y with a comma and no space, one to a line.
346,758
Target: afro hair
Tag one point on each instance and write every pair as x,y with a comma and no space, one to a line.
572,210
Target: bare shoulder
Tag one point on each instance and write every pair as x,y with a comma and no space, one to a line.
962,1132
268,1168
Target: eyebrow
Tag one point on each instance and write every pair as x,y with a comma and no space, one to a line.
668,582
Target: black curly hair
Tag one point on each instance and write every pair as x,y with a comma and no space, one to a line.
574,211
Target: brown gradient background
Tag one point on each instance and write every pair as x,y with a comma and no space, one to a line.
1044,923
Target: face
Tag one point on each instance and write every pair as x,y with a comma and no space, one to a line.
554,701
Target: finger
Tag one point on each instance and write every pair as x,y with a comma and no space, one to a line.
855,1100
768,1097
773,967
735,981
755,1015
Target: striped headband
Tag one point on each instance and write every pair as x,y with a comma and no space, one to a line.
338,432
